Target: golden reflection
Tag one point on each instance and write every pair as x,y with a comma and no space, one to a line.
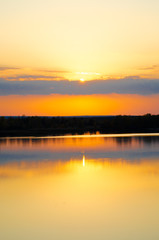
83,161
117,168
101,199
81,142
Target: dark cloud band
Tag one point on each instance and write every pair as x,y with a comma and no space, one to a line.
122,86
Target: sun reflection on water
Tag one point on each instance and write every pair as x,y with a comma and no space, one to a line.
98,199
83,161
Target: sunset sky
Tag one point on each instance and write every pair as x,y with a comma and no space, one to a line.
87,57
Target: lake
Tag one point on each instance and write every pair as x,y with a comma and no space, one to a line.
80,187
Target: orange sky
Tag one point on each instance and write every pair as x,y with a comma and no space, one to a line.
65,105
78,40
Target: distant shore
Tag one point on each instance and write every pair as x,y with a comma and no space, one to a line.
57,126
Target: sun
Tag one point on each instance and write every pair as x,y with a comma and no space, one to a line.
82,79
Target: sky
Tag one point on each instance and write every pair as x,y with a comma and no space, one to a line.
87,57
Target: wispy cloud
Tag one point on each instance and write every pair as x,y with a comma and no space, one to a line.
153,67
33,78
28,74
65,87
8,68
51,71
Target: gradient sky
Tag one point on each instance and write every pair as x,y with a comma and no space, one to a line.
46,47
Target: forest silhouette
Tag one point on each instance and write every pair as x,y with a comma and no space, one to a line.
41,126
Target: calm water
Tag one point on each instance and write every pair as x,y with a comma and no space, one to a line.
78,188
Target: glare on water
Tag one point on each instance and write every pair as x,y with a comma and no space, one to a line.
79,188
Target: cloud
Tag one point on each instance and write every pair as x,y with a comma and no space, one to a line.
52,71
8,68
65,87
29,74
32,77
153,67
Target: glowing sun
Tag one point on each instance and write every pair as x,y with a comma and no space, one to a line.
82,79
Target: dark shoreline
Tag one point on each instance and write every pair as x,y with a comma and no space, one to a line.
39,133
57,126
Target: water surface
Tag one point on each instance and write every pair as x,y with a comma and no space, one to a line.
99,187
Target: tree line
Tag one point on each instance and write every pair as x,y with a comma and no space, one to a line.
17,126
